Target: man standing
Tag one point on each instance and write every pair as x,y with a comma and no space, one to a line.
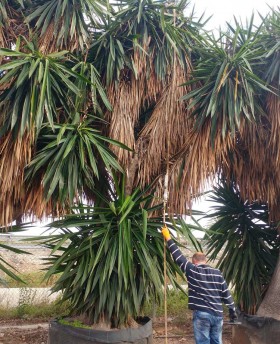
207,291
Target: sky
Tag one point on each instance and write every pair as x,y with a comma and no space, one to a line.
225,10
222,11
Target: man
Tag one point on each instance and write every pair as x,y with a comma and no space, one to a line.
207,291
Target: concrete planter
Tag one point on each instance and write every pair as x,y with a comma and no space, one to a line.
62,334
256,330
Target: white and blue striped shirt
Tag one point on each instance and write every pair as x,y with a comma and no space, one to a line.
207,288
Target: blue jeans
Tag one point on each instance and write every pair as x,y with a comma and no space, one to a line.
207,328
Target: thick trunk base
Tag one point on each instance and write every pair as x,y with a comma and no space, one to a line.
270,306
62,334
256,330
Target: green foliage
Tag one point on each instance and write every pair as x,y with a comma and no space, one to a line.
68,17
57,95
177,305
112,263
156,29
31,280
11,275
26,298
270,43
71,157
3,12
42,88
7,268
34,85
226,81
43,311
246,243
74,323
8,9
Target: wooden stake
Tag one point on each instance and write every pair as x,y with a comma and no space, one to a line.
165,197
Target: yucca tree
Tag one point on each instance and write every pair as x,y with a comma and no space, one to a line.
245,242
77,76
235,105
111,259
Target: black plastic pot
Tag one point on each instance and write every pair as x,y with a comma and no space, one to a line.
67,334
256,330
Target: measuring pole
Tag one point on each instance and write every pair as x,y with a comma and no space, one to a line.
165,198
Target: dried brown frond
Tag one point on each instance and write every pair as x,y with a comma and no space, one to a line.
255,162
196,165
251,158
3,40
153,86
122,118
127,99
167,129
15,155
163,132
13,26
48,42
35,204
273,110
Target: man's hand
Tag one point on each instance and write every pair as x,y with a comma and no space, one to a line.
165,232
232,315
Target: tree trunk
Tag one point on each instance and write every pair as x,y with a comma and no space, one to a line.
19,220
130,174
271,303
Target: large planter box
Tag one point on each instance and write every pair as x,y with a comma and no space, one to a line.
256,330
62,334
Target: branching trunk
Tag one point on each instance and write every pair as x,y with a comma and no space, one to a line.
271,303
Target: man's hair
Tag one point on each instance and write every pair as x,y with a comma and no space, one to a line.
199,257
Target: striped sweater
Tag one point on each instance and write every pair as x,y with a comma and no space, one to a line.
206,286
